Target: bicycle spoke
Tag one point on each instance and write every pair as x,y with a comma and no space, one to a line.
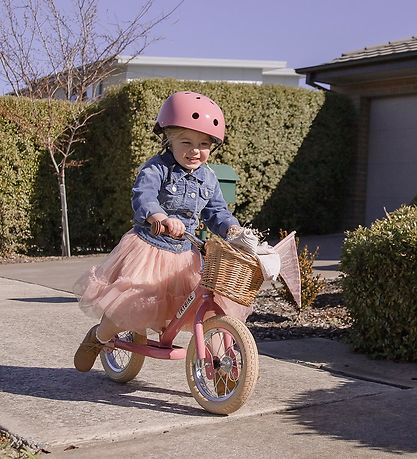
119,358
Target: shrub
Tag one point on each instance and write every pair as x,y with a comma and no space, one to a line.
29,198
379,285
19,163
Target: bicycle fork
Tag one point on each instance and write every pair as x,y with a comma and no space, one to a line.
213,356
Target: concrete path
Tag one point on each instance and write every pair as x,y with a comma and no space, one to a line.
375,426
314,398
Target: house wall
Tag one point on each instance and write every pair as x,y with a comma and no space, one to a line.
118,77
236,74
249,75
286,80
373,164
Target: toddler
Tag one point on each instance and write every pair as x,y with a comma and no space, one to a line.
146,278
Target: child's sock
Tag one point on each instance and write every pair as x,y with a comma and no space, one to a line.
100,340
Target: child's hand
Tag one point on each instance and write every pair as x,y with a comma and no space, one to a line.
174,227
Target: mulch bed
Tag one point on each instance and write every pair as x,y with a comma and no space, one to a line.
276,319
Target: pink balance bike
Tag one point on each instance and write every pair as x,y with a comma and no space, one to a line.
222,357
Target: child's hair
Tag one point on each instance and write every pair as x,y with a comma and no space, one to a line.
171,133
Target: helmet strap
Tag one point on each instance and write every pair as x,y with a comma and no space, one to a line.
218,145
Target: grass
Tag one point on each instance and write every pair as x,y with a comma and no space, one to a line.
12,448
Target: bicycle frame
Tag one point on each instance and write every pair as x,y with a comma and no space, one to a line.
198,304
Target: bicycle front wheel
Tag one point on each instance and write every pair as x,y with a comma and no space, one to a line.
226,378
120,365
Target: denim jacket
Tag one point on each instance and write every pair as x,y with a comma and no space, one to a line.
163,186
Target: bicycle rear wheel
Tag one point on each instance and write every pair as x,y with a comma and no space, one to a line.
120,365
224,381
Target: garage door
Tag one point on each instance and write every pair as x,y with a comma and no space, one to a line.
392,162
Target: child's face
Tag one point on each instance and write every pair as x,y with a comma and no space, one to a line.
191,148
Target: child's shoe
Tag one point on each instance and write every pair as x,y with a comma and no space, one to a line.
222,387
88,351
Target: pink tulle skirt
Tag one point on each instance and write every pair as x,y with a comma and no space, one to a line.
139,286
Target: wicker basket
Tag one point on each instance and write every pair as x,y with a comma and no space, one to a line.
231,272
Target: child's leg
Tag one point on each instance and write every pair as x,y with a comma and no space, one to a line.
106,330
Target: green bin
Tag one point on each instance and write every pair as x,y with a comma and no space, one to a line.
227,178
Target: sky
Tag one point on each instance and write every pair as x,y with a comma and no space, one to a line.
301,32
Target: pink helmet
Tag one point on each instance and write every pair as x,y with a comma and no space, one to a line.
192,111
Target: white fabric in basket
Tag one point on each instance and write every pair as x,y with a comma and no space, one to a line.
269,260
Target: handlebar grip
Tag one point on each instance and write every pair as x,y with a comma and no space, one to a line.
157,228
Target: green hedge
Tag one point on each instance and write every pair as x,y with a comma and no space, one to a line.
18,167
291,148
380,288
29,198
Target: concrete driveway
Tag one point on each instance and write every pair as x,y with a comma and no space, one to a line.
314,398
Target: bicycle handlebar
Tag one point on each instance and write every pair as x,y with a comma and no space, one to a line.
158,228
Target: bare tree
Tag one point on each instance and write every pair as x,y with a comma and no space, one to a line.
51,54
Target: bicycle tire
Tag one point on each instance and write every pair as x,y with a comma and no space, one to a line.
122,366
244,362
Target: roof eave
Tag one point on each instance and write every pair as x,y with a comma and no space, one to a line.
201,62
329,72
358,62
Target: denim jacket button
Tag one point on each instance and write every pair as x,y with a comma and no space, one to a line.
179,246
189,214
193,195
174,188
